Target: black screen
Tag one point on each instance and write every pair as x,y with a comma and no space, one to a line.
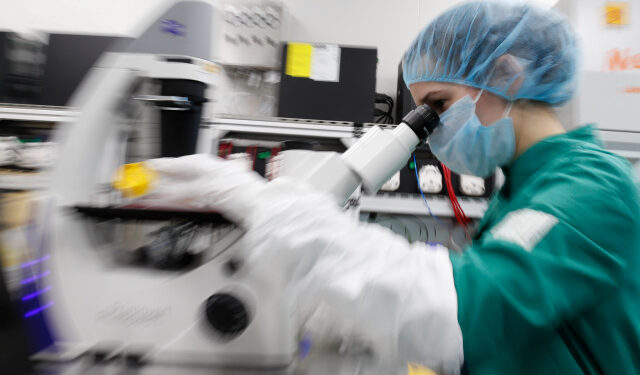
350,99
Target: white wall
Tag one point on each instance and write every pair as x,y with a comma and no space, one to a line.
602,96
114,17
388,25
598,38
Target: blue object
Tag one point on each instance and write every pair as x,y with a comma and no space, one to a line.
37,328
35,278
32,263
173,27
415,170
464,145
36,293
516,51
38,310
304,347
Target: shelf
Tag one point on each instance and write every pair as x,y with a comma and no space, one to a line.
281,126
413,205
37,113
623,143
24,181
346,132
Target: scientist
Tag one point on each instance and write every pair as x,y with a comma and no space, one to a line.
551,280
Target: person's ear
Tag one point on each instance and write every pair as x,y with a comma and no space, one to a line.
508,72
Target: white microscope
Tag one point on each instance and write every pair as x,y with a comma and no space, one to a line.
205,312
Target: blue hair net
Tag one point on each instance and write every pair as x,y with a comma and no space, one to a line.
516,51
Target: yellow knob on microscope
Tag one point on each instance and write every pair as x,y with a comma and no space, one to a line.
419,370
133,180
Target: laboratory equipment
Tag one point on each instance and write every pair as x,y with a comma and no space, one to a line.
8,150
68,59
21,68
404,100
249,33
36,155
12,334
327,82
102,287
370,162
430,179
142,312
97,297
472,185
392,184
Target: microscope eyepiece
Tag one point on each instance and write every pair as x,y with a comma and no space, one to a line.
422,120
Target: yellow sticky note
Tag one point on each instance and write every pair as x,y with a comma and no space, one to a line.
617,13
298,62
419,370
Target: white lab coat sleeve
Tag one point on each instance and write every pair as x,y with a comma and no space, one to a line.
357,281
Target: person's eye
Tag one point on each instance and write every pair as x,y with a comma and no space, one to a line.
438,105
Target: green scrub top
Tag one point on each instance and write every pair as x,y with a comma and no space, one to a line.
551,282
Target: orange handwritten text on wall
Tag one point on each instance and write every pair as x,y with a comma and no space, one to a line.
621,60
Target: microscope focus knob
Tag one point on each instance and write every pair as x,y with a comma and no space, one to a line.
226,314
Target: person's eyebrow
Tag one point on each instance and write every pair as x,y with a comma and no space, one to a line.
426,97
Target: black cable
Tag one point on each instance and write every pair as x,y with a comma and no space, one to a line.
384,116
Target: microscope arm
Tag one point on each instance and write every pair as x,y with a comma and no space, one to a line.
371,161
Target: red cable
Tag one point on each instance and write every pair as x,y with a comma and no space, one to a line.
454,200
449,186
253,152
455,204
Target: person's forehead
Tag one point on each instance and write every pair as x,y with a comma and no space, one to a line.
425,87
421,90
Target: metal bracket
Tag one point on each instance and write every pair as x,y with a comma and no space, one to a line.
167,103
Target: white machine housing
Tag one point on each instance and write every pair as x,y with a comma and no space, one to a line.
93,301
249,33
371,161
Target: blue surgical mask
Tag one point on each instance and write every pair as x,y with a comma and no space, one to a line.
464,145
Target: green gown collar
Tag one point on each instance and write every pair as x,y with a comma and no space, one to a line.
543,152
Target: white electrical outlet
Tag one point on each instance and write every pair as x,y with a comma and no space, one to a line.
392,184
242,157
472,185
37,155
430,179
8,150
272,169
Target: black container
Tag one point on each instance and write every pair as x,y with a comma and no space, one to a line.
13,335
22,64
179,125
298,145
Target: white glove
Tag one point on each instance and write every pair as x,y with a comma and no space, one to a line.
352,281
204,182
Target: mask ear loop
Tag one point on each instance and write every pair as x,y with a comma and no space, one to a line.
507,110
478,97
